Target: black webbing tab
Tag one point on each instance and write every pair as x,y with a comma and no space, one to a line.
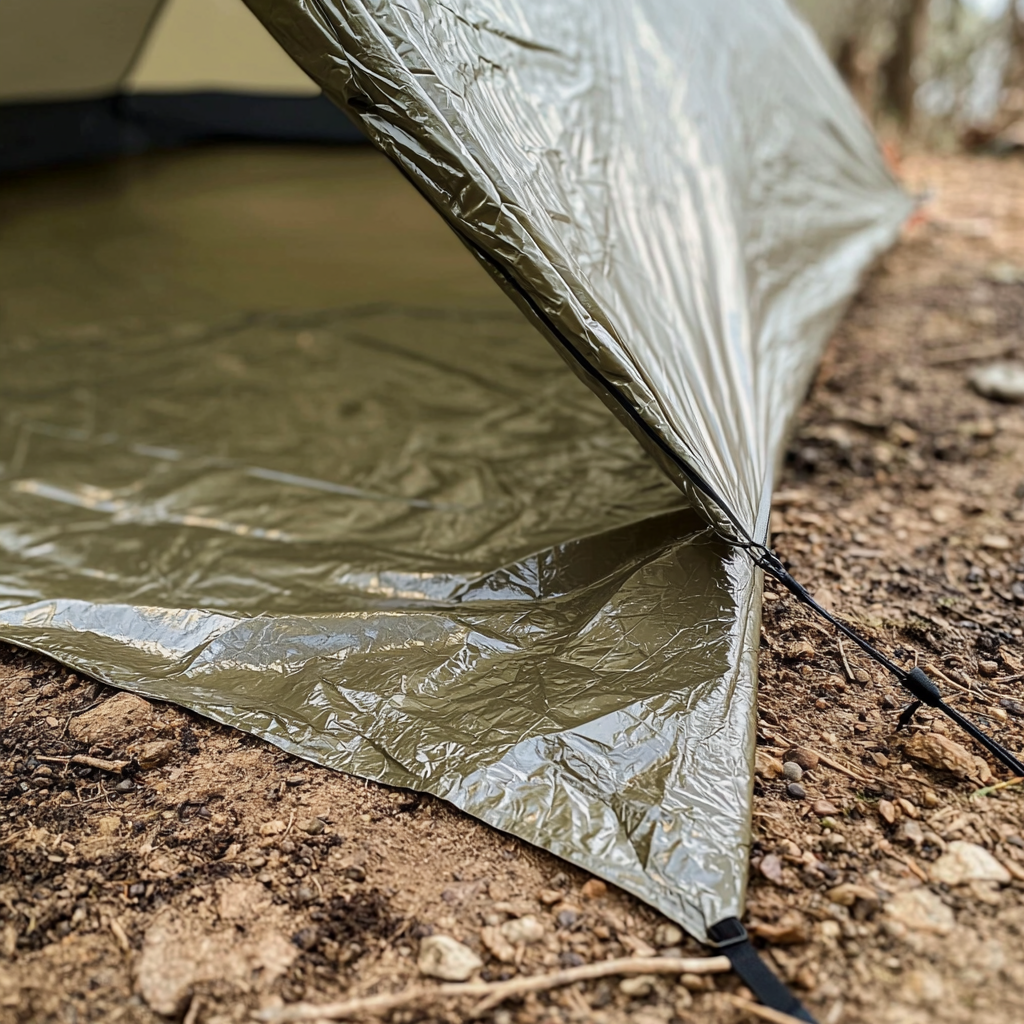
730,938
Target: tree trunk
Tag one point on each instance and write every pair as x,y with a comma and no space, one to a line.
900,83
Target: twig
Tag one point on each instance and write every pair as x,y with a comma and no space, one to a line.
989,790
840,767
846,665
193,1010
764,1012
120,935
493,993
89,762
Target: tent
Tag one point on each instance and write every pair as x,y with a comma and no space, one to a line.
408,542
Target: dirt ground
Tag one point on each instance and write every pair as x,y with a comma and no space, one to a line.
216,875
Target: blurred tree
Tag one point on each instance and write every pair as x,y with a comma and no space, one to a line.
900,70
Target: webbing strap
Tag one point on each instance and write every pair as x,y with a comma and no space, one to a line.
730,938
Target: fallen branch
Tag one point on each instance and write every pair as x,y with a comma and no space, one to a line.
492,993
764,1012
89,762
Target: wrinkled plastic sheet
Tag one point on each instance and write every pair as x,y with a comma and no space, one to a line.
405,544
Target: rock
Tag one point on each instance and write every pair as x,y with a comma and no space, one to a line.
1002,381
179,953
566,916
967,862
442,957
824,808
921,910
549,897
790,930
638,986
523,929
497,945
594,889
114,722
860,896
796,792
771,868
803,756
800,649
937,751
792,771
667,934
570,959
911,833
886,811
988,668
766,766
311,826
272,828
155,754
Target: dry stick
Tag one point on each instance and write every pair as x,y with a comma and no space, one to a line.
840,767
493,993
89,762
764,1012
846,665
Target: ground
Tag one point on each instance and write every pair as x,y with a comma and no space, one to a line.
217,875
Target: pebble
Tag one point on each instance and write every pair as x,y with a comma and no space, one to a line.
911,833
921,910
638,986
824,808
796,792
443,957
848,894
967,862
155,754
803,756
937,751
524,929
567,918
667,934
311,826
792,771
497,945
594,889
570,959
1002,381
887,811
549,897
771,868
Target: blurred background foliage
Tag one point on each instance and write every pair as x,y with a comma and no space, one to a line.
949,72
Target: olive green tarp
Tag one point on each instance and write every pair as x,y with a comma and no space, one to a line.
406,542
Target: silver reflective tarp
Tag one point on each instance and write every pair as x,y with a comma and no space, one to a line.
409,544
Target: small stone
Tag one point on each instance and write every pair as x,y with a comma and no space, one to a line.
1001,381
906,806
996,542
125,786
443,957
123,717
803,756
824,808
967,862
295,780
155,754
594,889
695,982
988,668
887,811
767,766
792,771
272,828
921,910
937,751
549,897
567,918
848,895
570,959
790,930
638,986
355,873
771,868
311,826
303,895
910,833
796,792
667,934
497,945
52,722
523,930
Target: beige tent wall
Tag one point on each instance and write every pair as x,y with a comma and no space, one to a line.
214,45
68,49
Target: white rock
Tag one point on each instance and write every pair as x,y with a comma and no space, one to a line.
442,957
922,911
666,935
637,986
1003,381
967,862
523,929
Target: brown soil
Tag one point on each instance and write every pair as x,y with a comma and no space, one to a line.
215,875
